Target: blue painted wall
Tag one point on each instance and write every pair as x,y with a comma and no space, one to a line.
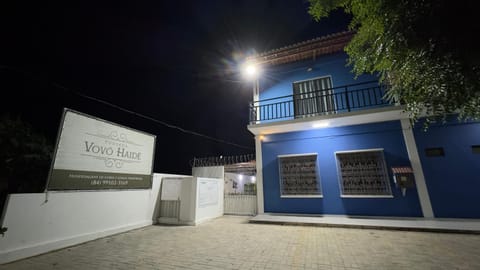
325,142
277,81
453,181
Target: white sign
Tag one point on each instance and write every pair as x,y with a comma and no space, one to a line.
207,192
92,153
171,188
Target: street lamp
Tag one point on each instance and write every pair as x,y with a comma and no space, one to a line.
251,71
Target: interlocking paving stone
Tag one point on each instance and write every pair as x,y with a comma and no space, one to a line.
232,243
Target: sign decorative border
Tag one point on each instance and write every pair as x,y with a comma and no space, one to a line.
92,154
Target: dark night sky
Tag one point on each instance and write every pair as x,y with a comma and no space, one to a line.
173,61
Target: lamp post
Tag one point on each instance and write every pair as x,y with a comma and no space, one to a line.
251,72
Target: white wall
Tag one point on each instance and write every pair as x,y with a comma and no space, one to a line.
211,173
187,201
209,211
192,211
36,226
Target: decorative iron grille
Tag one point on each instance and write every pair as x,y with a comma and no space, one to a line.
363,173
298,175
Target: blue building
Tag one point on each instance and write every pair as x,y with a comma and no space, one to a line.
328,143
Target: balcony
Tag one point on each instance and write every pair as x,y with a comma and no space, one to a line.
341,99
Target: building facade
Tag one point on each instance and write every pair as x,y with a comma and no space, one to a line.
328,143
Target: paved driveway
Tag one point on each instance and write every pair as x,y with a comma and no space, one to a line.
231,243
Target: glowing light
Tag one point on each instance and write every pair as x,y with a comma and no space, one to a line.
250,70
253,179
321,125
240,177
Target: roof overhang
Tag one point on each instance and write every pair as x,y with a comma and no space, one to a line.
304,50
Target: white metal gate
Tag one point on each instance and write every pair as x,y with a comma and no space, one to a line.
240,204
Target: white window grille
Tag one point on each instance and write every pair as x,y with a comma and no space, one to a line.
298,176
363,173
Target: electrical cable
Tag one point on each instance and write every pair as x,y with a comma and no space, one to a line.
59,86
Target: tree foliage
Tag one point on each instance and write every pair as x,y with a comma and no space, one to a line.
24,157
424,50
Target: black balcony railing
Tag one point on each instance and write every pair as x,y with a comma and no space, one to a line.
335,100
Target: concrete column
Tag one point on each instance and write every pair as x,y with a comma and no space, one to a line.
417,169
259,177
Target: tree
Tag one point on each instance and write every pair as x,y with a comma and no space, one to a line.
25,157
423,50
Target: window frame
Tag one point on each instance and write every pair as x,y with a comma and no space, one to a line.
317,112
385,169
317,177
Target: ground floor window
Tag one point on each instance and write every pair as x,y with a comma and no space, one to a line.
363,173
298,176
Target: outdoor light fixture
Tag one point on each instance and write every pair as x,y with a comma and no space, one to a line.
321,124
250,70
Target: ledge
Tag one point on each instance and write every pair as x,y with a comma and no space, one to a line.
469,226
383,114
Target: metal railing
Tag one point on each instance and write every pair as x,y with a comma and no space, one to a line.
335,100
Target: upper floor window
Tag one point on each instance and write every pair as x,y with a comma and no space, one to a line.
363,173
312,97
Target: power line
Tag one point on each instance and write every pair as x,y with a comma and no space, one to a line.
57,85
